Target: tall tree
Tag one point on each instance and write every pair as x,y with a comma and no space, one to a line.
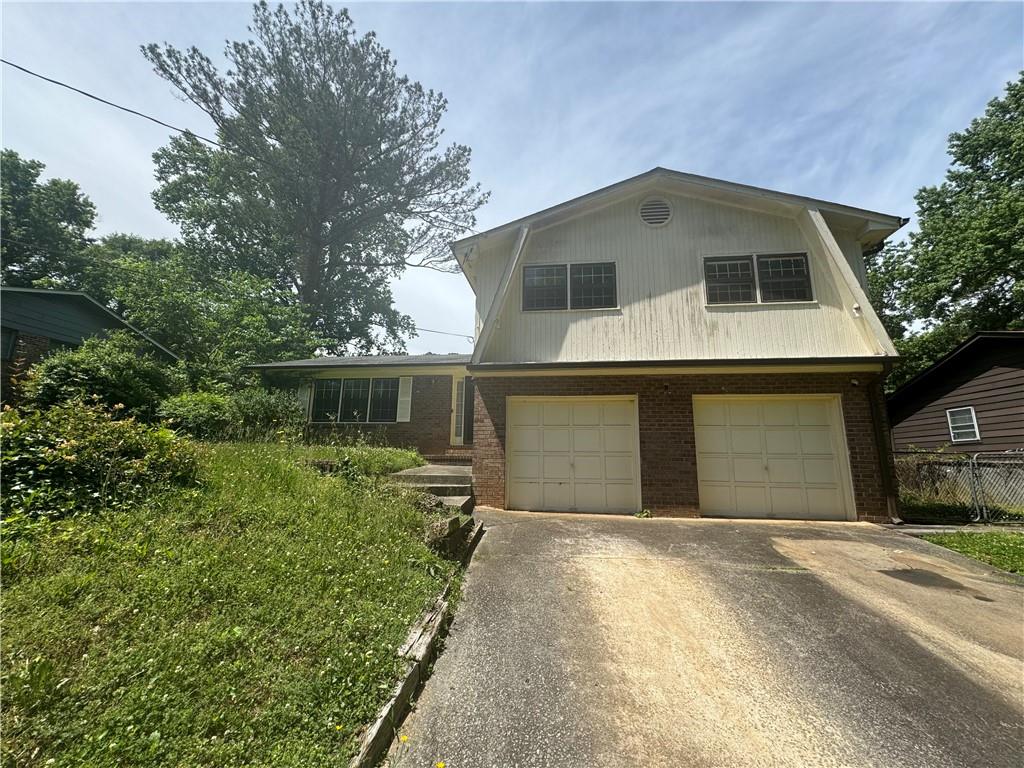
963,271
331,178
44,225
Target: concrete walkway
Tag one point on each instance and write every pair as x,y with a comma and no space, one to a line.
609,641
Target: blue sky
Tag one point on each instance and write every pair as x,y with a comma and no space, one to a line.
848,102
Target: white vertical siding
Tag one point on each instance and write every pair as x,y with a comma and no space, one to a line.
662,313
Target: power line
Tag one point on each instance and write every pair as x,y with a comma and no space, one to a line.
101,100
446,333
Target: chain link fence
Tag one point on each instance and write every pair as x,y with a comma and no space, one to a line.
946,486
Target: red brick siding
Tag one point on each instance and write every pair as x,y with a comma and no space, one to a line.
428,429
28,350
668,461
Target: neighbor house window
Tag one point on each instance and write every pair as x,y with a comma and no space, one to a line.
10,336
963,425
592,286
355,400
784,278
545,287
569,286
730,280
764,278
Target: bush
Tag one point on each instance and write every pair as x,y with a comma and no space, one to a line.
258,413
77,457
112,371
203,415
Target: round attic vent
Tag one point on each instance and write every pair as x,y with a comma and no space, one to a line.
655,212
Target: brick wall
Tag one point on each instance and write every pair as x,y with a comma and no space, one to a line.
668,461
28,350
428,429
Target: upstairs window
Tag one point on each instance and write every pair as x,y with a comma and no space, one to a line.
963,424
764,278
730,280
592,286
569,286
784,278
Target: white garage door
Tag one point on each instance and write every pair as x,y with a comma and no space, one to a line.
772,457
573,454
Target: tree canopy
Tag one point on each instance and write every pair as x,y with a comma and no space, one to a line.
331,177
44,225
963,270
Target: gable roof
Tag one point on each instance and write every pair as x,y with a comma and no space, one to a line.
884,224
365,361
90,303
947,365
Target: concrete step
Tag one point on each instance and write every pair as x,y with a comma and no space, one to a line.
443,489
434,478
464,504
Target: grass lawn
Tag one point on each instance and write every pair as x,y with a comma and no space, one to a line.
1002,549
251,621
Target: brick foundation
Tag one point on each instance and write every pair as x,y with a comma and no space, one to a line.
28,350
668,461
428,429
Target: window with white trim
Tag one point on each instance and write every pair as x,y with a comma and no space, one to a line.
758,278
963,425
569,286
355,401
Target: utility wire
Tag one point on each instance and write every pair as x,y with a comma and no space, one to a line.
101,100
445,333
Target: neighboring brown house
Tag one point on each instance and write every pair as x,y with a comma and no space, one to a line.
672,342
970,401
37,321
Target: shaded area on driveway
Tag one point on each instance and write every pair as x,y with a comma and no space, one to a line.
598,641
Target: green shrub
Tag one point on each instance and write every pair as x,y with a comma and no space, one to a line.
112,371
78,457
203,415
373,460
259,413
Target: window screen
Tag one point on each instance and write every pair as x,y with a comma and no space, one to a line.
353,399
384,400
730,280
325,400
962,424
784,278
592,286
545,287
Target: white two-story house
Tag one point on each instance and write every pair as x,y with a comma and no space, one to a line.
671,342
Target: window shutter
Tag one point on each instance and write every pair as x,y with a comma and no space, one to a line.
404,398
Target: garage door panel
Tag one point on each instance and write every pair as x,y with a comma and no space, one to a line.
619,439
525,439
743,413
712,439
820,471
588,468
770,457
525,414
618,414
620,497
788,502
556,414
524,466
590,497
785,471
781,441
711,414
745,440
586,440
557,496
619,468
525,495
815,441
556,440
780,413
556,467
751,500
586,414
748,470
814,413
714,469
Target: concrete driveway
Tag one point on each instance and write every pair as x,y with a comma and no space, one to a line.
608,641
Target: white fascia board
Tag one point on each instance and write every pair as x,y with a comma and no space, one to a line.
821,240
500,294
